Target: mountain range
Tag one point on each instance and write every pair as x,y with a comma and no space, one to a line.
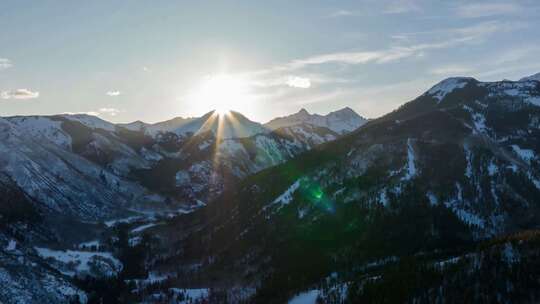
437,201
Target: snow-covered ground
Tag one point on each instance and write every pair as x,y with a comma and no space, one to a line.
143,227
308,297
443,88
525,154
75,263
287,196
191,294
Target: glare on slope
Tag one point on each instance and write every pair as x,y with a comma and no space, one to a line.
219,124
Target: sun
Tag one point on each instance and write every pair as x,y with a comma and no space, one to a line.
222,93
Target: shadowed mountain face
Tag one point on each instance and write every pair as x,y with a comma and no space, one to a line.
411,194
415,206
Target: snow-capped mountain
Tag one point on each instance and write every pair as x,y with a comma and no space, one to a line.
232,125
426,194
84,170
341,121
165,126
535,77
424,186
37,154
182,152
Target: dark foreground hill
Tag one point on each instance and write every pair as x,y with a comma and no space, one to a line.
434,202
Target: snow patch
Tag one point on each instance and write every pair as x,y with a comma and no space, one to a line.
191,295
94,243
464,215
383,197
143,227
411,167
308,297
11,246
91,122
492,168
432,199
509,254
468,157
525,154
81,262
287,196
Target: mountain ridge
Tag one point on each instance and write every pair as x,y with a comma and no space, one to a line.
340,121
299,209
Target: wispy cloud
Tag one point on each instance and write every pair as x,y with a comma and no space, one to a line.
342,13
380,56
488,9
19,94
475,32
5,63
445,38
113,93
298,82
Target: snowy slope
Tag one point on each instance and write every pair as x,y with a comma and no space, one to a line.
535,77
39,127
90,121
59,180
25,279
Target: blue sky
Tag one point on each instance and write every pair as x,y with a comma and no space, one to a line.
129,60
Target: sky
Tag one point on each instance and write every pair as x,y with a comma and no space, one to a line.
128,60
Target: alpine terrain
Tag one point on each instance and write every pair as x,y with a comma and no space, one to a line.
437,201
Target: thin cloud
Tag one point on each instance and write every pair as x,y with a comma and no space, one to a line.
109,111
298,82
342,13
113,93
478,10
381,56
19,94
473,32
453,37
99,112
91,113
5,63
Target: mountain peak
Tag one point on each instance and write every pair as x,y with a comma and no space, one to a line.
303,111
448,85
345,111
